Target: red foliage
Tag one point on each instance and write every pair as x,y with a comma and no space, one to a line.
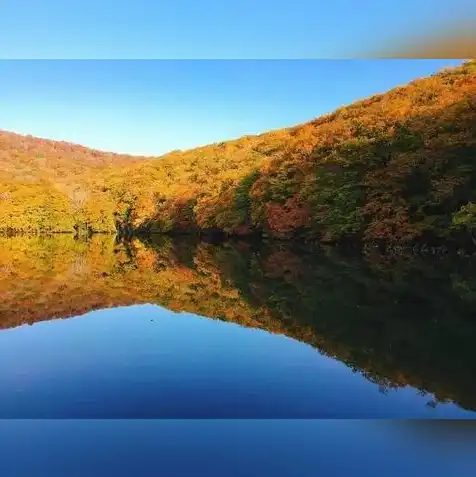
284,219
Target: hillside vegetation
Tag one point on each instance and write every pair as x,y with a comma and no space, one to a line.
396,167
54,186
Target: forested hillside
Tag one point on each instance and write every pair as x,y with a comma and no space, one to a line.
398,166
54,186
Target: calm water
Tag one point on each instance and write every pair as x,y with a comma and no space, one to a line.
237,448
184,330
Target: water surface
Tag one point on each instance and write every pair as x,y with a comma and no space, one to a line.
194,330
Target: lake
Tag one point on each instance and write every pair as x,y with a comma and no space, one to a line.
180,328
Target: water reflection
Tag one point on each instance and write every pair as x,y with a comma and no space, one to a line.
388,337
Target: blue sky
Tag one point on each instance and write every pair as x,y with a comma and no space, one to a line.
216,28
151,107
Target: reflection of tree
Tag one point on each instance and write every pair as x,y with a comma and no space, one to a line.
397,321
79,266
432,403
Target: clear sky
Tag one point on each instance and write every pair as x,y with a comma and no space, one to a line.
151,107
223,29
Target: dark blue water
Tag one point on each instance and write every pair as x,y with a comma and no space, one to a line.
145,361
236,448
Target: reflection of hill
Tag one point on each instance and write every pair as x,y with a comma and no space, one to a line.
410,323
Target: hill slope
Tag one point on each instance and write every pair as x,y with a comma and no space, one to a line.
51,185
397,166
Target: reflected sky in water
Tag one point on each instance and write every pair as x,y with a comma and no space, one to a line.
145,361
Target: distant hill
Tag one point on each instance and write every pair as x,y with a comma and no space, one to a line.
45,185
398,166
